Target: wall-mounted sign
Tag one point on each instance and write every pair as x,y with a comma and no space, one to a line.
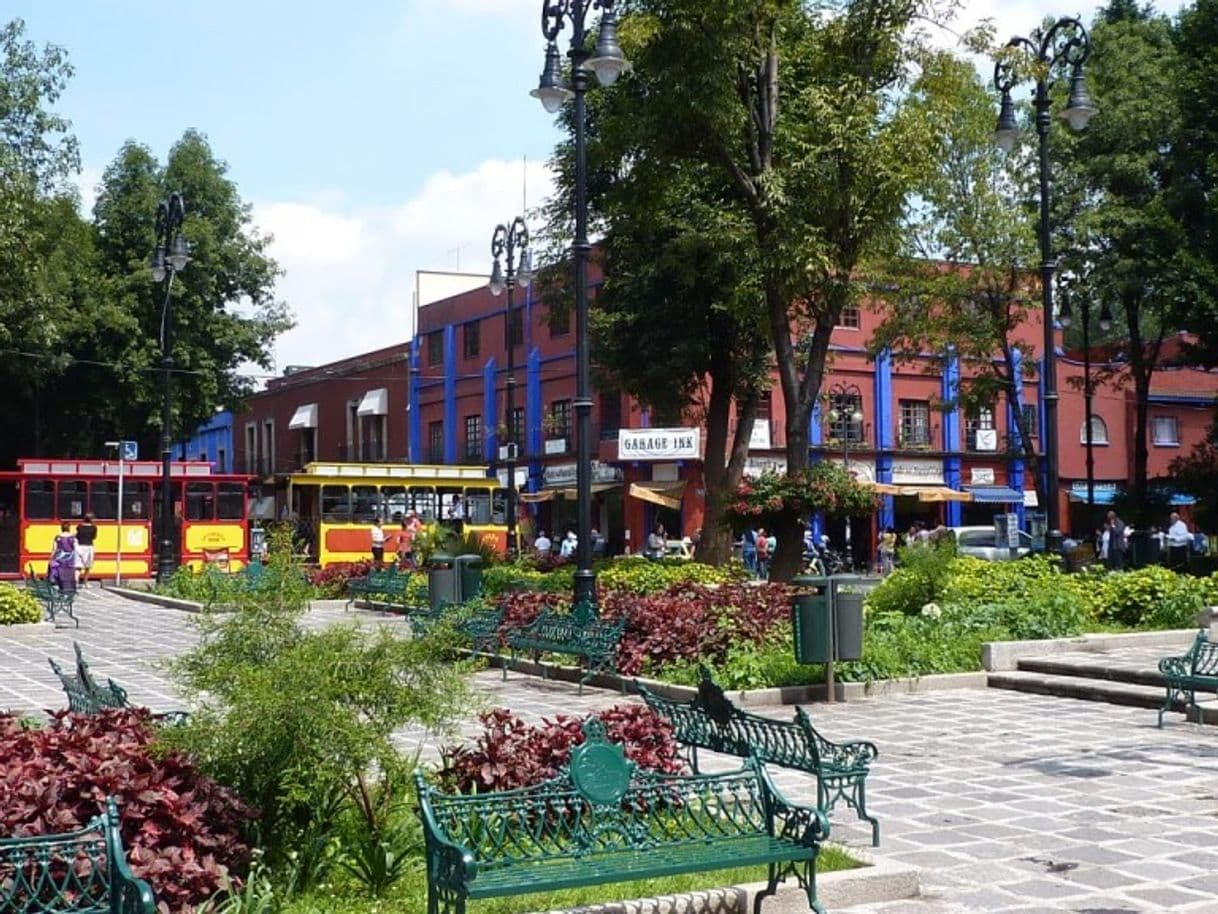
987,439
760,439
983,476
556,446
755,466
659,444
862,472
562,475
907,471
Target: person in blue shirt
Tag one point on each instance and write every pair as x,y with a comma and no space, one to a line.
748,550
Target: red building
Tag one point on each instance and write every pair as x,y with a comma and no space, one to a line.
440,398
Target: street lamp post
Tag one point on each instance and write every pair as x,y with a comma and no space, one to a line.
846,409
1064,42
1065,318
607,63
510,243
170,256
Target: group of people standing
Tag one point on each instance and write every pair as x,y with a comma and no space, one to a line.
757,548
72,554
1175,543
402,541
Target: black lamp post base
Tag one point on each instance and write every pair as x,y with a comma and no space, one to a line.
1053,542
585,586
166,563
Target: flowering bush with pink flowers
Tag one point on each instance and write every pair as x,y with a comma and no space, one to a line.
825,488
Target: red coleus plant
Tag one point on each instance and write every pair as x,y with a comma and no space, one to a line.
181,830
511,753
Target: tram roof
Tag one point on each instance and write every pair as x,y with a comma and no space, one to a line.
140,469
389,472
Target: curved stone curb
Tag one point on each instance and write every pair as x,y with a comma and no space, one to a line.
1004,656
155,599
880,881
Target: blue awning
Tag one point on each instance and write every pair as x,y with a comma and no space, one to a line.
996,495
1180,500
1105,492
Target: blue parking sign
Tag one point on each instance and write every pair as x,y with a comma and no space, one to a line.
130,450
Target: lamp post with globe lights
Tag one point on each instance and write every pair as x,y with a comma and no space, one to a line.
513,266
846,414
169,257
1064,43
607,63
1065,317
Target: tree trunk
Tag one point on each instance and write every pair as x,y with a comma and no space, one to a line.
715,547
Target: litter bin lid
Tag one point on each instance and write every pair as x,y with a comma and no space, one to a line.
469,558
440,558
805,580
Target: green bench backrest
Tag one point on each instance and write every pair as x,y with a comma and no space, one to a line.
57,873
600,803
1205,657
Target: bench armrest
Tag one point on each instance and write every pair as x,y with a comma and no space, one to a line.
134,895
859,753
805,825
448,863
1176,667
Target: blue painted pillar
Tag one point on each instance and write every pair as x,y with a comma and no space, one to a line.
816,431
1015,473
951,432
816,440
450,394
415,427
884,434
533,418
490,402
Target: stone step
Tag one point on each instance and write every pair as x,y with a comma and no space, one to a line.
1099,667
1105,690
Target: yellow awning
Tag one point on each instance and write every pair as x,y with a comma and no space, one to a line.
530,498
936,493
665,494
885,488
548,494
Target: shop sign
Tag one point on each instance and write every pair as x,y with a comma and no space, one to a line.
522,477
982,476
759,440
913,472
556,446
862,472
563,475
659,444
755,466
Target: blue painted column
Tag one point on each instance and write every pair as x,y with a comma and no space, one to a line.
1015,473
490,402
816,440
951,432
883,434
415,427
450,394
533,419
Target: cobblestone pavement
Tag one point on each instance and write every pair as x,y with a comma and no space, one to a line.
1007,802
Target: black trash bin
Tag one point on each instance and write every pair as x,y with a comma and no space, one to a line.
442,586
849,592
810,620
469,576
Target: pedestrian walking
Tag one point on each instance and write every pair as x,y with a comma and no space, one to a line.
62,569
378,543
542,545
1117,544
888,550
1179,540
763,555
86,534
748,550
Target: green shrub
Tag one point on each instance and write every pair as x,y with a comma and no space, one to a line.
1149,597
918,580
17,606
970,581
643,576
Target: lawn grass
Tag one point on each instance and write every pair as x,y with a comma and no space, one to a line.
410,894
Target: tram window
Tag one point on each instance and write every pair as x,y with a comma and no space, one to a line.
423,500
72,498
39,500
336,504
478,506
499,507
200,501
137,497
365,503
394,500
447,497
230,501
103,500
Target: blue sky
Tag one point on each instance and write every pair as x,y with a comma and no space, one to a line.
373,138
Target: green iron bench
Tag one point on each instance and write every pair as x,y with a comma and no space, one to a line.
710,721
87,696
604,820
581,633
56,602
1185,675
80,872
378,581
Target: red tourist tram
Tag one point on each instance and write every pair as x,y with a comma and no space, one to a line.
43,492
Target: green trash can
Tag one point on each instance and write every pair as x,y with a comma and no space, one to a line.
441,581
469,576
810,620
849,592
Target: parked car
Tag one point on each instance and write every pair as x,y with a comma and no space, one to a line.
980,543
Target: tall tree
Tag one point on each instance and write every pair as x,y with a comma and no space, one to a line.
798,114
964,276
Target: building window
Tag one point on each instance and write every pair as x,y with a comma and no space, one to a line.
915,423
560,419
268,447
842,410
469,339
308,447
1099,431
221,460
373,444
352,447
516,432
435,442
851,317
610,412
560,322
1031,419
435,347
251,448
980,420
1165,431
516,327
473,437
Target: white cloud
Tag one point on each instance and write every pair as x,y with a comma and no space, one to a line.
349,273
87,182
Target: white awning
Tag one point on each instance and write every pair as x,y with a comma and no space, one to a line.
304,417
375,403
1030,499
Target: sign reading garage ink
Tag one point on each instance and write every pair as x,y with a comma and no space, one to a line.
659,444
